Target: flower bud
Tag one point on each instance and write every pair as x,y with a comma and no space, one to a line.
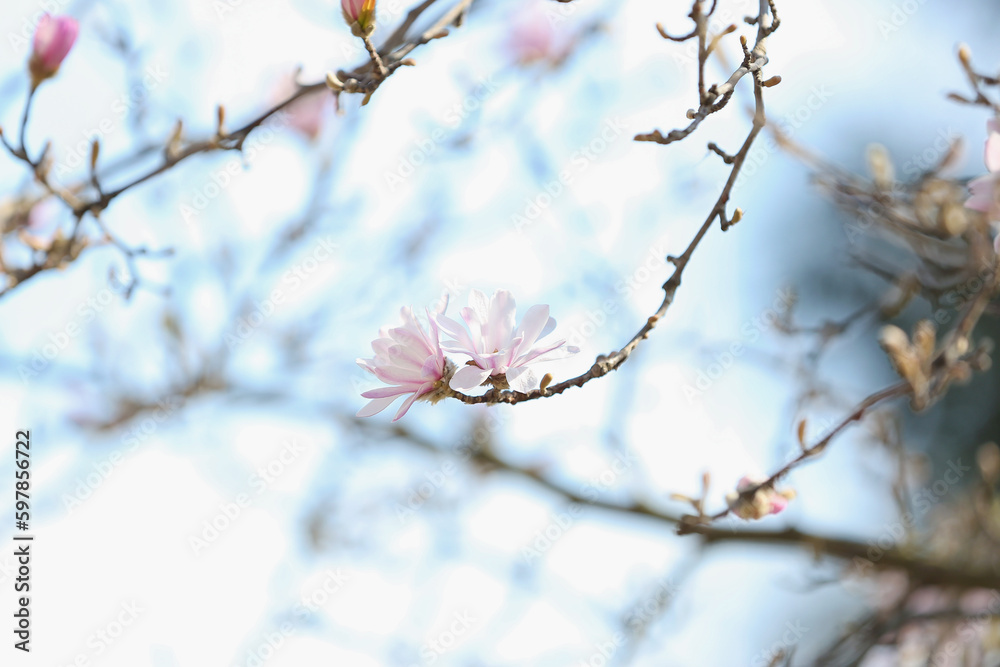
360,13
881,167
764,501
54,37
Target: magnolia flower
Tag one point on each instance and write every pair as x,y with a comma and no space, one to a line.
764,502
984,189
54,38
361,12
307,114
533,38
409,359
498,349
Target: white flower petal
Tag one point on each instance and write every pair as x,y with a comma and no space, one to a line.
468,377
500,325
549,352
522,379
992,152
375,406
405,406
407,358
550,326
533,323
460,334
433,368
479,305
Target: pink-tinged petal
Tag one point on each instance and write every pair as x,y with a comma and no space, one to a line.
432,369
352,8
385,392
407,358
497,343
992,125
533,323
479,304
54,38
531,39
522,379
992,153
778,502
455,330
500,323
463,343
308,114
996,244
983,184
476,328
550,352
983,191
406,406
981,203
395,375
506,356
360,11
375,406
468,377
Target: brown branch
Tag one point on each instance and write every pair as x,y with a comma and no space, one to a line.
692,523
924,571
950,362
921,570
364,79
718,95
604,364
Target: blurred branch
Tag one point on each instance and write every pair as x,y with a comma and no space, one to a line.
364,79
921,570
924,571
716,97
927,373
692,523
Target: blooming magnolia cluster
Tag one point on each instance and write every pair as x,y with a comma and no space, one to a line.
501,352
764,502
54,38
985,193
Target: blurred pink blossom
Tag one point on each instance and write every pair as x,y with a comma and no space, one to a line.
54,38
43,218
531,39
309,113
984,190
408,358
764,502
498,348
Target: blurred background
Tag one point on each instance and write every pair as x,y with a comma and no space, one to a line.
204,495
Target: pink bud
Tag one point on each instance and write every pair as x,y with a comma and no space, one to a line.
763,502
778,502
53,40
307,114
361,12
747,482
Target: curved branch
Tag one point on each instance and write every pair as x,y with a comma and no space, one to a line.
604,364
